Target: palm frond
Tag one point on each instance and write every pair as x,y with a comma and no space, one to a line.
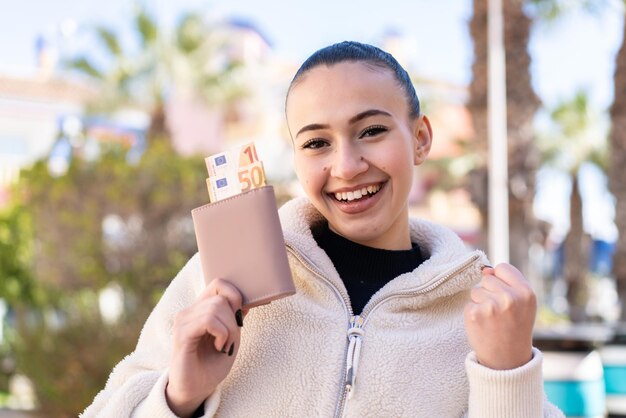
84,65
190,33
109,40
147,27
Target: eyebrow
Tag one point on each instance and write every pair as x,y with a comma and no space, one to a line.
363,115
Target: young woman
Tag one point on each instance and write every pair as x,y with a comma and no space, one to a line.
393,316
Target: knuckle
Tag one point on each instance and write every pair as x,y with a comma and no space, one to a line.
489,308
490,281
218,283
527,294
217,286
212,323
472,313
217,306
508,301
221,302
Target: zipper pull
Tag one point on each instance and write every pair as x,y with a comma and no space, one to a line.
355,338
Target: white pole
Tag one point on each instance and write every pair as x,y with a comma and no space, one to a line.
498,158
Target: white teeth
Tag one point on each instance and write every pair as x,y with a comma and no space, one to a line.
357,194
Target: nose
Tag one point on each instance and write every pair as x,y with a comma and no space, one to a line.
347,162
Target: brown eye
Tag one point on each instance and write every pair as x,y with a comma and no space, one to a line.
314,144
373,131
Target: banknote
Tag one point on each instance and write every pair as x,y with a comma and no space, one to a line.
234,172
222,163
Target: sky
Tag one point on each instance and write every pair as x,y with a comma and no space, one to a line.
574,52
577,51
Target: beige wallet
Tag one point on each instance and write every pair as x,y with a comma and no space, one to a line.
240,240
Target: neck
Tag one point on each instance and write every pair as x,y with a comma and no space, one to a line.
396,241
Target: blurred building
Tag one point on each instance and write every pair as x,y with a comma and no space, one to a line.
40,116
32,111
199,128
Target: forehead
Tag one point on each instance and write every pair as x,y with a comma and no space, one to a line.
331,94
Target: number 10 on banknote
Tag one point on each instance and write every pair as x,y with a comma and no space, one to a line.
235,171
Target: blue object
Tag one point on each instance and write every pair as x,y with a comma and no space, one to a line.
221,183
615,379
577,398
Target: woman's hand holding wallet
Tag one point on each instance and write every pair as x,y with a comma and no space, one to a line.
205,342
206,335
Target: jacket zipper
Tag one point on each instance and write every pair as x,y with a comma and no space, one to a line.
347,304
357,322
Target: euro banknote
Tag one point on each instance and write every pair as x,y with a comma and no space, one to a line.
233,172
223,162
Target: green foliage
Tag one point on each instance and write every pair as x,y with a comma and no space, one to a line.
108,222
195,57
552,10
577,134
190,33
84,65
16,234
146,26
103,222
108,38
70,363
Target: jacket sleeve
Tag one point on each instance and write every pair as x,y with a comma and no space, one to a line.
136,386
516,393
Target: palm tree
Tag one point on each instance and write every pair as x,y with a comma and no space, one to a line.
617,171
522,103
195,58
577,136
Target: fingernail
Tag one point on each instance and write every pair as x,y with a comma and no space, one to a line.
486,266
232,349
239,318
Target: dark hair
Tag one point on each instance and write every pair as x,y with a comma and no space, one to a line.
368,54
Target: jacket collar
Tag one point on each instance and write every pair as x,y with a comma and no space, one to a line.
444,250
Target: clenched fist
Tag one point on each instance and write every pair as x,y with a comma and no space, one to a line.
499,318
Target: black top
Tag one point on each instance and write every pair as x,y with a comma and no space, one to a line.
364,270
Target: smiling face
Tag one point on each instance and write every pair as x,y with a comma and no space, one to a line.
355,147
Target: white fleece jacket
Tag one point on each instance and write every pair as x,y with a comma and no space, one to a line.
408,353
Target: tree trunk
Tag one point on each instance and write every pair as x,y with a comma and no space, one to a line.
522,103
158,129
617,172
576,250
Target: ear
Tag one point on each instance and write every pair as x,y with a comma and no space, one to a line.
423,138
